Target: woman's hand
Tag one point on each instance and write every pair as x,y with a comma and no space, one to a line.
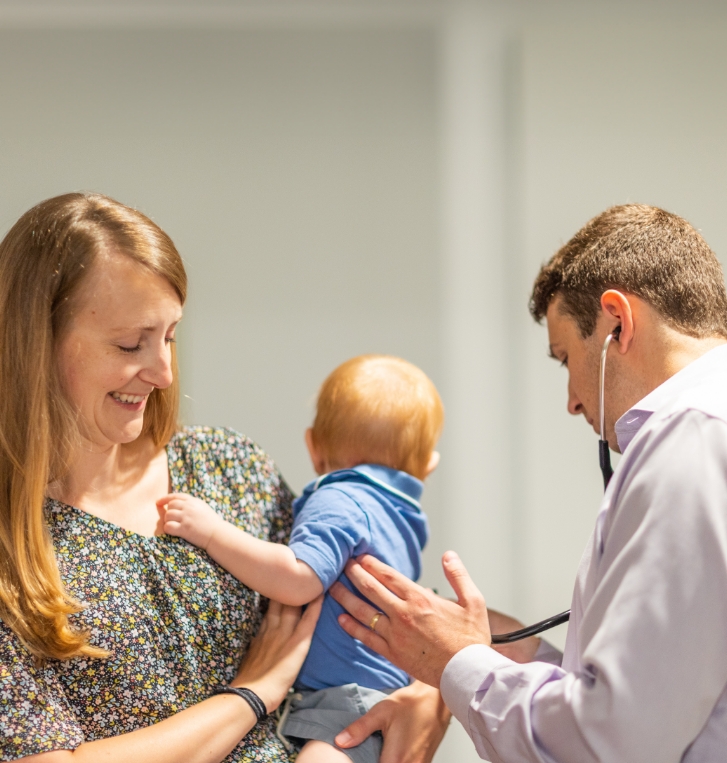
208,731
413,721
276,654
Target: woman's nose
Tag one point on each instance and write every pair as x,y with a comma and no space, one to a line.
159,370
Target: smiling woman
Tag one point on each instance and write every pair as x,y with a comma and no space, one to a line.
114,636
117,641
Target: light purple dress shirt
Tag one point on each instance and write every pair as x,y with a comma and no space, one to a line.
644,672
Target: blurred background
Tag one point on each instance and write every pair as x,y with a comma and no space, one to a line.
382,176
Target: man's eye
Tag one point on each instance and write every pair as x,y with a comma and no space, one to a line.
564,362
130,349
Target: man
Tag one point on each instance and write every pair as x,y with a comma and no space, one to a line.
644,672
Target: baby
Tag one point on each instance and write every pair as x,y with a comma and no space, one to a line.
378,419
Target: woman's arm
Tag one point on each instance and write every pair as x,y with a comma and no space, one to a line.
210,730
413,721
268,568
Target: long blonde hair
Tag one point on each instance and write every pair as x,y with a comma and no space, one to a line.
44,259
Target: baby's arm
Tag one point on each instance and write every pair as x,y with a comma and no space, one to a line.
269,568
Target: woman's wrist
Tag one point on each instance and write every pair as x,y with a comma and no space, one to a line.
253,700
261,689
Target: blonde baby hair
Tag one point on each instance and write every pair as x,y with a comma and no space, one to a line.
378,409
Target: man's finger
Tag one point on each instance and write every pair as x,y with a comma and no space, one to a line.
460,580
360,730
354,605
392,579
370,587
365,635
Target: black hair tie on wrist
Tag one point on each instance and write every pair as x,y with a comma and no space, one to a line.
252,699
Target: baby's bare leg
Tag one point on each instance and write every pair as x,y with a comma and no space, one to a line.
321,752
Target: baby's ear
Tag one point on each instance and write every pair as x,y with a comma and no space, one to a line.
319,463
433,463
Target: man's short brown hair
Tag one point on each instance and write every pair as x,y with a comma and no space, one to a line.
643,251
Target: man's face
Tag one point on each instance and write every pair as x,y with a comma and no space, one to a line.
581,357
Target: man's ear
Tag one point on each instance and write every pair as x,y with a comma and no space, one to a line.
617,307
433,463
316,457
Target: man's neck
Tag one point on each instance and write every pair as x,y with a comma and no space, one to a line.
674,352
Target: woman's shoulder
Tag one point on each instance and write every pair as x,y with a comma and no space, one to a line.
223,466
225,449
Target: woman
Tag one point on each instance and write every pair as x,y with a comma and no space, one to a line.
113,635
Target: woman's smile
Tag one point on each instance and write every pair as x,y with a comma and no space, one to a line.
128,401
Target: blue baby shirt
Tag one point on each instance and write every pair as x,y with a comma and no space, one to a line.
369,509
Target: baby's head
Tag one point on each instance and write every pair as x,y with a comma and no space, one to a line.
376,409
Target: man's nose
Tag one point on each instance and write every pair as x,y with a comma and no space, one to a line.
575,407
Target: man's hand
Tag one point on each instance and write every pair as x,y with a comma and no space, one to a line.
413,721
189,518
418,631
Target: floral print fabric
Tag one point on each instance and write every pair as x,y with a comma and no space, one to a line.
176,623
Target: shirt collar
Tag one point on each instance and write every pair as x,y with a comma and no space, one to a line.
628,426
401,484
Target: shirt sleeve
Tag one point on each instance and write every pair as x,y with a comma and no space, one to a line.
652,637
329,530
34,714
548,653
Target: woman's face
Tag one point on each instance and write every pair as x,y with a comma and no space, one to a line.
117,348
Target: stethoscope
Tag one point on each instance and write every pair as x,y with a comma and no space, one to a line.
604,460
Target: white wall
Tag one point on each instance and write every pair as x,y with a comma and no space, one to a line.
296,171
610,113
354,177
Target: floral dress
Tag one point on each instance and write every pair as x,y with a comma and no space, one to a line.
176,623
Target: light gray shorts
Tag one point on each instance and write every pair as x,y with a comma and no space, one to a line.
324,714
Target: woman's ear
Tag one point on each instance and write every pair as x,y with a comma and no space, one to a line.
433,463
316,457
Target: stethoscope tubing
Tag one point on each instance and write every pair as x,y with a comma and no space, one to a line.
604,460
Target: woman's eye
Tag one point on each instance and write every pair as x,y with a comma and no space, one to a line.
130,349
564,362
170,339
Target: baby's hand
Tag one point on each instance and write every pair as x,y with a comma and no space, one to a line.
189,518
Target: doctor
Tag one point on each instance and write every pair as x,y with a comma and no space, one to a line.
644,673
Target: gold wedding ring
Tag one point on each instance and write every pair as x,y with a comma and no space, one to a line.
375,619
